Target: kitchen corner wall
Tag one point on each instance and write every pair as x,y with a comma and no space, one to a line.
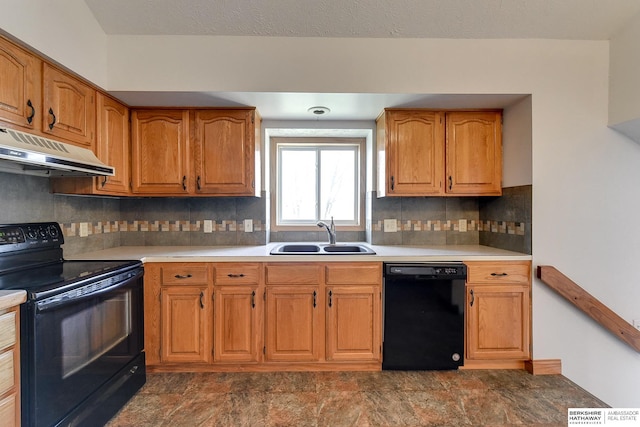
501,222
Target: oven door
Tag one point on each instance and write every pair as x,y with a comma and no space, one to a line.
76,342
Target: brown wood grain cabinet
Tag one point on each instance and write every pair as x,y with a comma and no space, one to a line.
238,313
160,146
498,325
20,88
294,313
69,108
226,153
437,153
354,313
10,367
112,147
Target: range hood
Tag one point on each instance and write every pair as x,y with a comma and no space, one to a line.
30,154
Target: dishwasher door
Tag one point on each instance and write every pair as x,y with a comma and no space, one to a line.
423,316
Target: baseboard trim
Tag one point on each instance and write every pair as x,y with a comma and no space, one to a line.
544,367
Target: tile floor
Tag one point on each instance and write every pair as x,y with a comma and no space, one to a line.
333,399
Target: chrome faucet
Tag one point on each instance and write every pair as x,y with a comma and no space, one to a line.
330,229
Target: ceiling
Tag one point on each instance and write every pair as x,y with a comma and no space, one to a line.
457,19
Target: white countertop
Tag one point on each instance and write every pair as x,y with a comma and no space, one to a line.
261,254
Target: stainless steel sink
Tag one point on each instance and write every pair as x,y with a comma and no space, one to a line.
321,249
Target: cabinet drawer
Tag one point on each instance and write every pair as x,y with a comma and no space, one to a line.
184,274
7,330
347,274
7,376
237,274
293,274
499,272
8,411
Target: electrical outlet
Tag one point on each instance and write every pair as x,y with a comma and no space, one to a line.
248,225
636,324
390,225
462,225
84,229
208,226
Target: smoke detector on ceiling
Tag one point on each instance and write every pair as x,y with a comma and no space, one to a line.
319,111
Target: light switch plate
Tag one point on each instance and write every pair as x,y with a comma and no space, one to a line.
462,225
84,229
248,225
208,226
390,225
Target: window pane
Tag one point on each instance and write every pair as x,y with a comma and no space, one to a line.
298,185
337,185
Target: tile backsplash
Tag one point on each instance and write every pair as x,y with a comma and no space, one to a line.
94,223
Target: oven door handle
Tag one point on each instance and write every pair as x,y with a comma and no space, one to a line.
77,295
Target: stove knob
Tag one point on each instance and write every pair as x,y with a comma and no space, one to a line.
53,231
32,234
42,232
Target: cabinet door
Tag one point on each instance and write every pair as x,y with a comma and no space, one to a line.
414,153
474,153
498,322
293,324
160,151
112,145
69,108
184,330
20,96
225,152
237,324
353,323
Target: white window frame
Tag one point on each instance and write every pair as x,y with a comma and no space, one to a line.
317,144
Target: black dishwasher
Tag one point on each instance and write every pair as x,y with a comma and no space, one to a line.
423,316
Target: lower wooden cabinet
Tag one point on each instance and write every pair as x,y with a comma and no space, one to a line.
10,367
254,316
498,325
185,323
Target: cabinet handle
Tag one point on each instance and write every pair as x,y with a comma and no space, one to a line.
53,122
499,274
330,298
181,276
201,299
235,275
33,111
314,299
450,182
253,299
392,183
198,182
184,183
104,182
473,298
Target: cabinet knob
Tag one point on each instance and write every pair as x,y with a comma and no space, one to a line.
473,298
392,183
499,274
253,299
182,276
184,183
198,182
201,299
235,275
53,119
33,111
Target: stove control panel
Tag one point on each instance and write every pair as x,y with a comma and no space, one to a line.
14,237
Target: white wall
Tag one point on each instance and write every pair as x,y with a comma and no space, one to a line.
585,176
516,144
624,96
65,31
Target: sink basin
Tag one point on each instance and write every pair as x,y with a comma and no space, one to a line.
318,249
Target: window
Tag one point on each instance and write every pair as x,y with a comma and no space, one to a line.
316,179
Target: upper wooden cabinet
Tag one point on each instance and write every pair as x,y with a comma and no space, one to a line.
20,87
160,152
410,152
69,107
433,153
474,153
112,147
213,152
226,156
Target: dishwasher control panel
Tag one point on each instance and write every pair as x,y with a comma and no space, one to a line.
432,270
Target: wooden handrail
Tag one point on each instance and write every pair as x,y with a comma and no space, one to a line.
589,305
